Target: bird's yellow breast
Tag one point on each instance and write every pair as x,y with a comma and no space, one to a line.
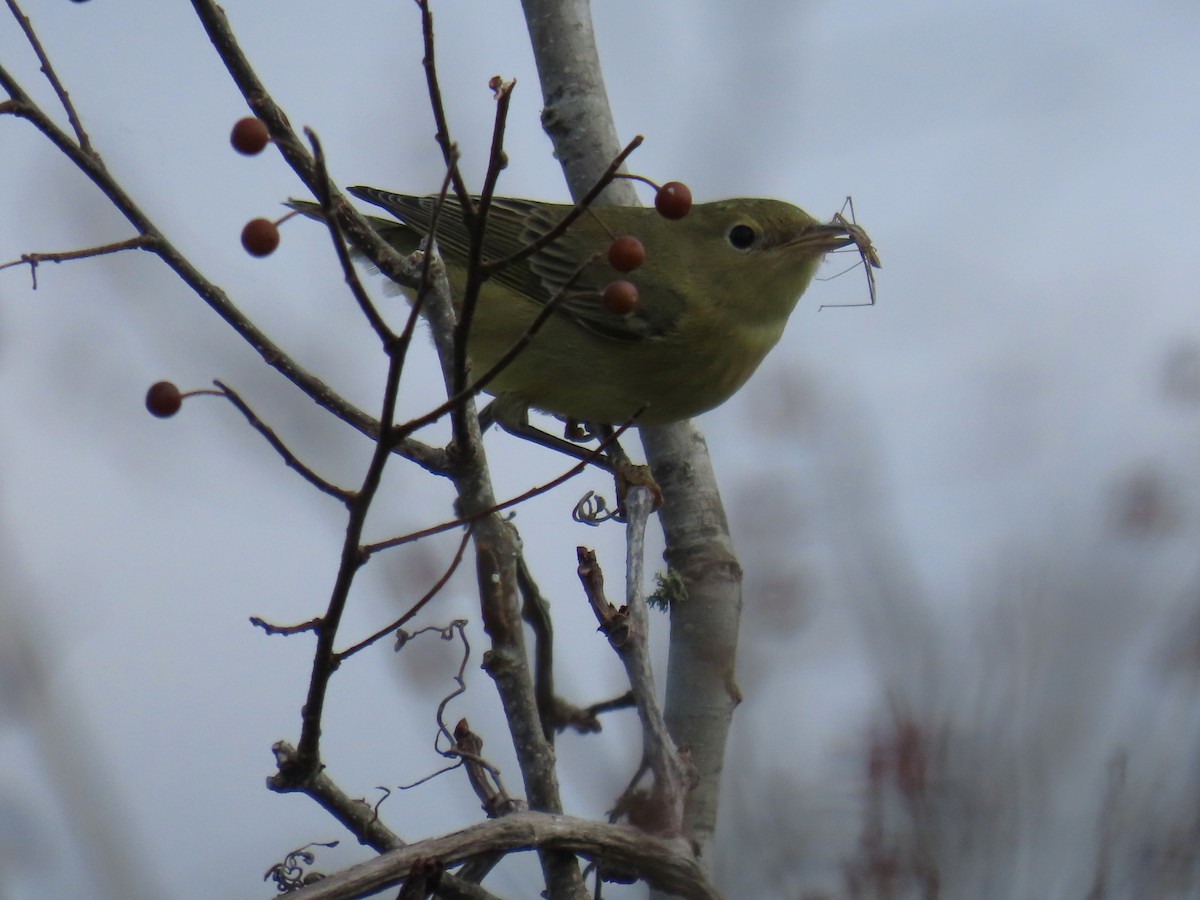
571,372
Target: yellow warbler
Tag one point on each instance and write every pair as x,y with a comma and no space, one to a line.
712,297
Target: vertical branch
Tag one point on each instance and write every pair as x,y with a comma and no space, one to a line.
477,227
575,110
442,136
325,660
701,693
628,632
497,549
496,555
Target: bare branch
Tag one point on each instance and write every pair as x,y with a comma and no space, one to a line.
483,776
590,456
356,814
325,659
442,136
362,820
349,273
535,610
665,864
293,462
581,206
357,228
628,631
419,605
700,690
502,362
576,114
151,238
477,227
33,260
285,630
496,551
52,77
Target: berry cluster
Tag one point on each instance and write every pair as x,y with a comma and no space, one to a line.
673,201
250,137
626,253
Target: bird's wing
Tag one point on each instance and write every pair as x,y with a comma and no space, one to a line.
514,224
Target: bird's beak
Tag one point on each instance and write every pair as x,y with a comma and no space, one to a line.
821,237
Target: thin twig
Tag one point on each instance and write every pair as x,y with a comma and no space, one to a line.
325,659
357,228
502,362
465,747
285,630
491,267
64,98
349,273
33,260
347,497
419,605
458,626
483,776
357,815
430,458
535,610
405,340
477,229
628,632
625,701
506,504
449,151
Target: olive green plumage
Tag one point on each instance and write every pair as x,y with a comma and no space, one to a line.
714,294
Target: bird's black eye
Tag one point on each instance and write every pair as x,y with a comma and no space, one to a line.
742,237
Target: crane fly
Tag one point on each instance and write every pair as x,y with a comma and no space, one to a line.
868,256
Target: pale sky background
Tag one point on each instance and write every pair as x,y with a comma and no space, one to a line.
931,496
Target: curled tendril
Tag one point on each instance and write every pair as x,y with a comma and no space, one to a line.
289,875
592,509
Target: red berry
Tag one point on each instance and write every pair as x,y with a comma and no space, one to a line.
260,237
673,200
621,297
249,136
163,399
626,253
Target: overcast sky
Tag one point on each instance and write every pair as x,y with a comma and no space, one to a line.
898,476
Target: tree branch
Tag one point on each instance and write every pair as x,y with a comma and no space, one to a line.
362,820
666,864
152,239
628,631
701,693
